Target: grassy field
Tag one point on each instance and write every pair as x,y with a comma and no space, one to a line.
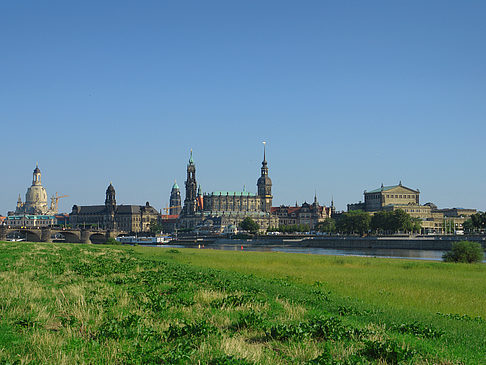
72,303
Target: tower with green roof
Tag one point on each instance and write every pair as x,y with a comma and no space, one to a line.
175,203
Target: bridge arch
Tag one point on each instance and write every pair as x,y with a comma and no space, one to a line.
31,235
68,236
97,238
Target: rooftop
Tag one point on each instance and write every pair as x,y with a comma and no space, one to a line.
386,188
238,193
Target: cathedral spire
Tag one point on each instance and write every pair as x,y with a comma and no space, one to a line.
191,160
190,201
264,184
264,162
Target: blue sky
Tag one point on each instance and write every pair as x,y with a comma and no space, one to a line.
347,94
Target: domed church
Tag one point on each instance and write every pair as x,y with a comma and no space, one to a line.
35,198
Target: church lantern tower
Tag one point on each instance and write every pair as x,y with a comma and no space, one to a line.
190,201
175,203
36,179
264,185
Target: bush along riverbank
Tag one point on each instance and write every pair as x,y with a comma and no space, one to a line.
65,303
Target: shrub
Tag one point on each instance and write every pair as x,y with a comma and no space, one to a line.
388,351
464,251
112,241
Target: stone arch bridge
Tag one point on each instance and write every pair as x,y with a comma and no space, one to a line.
45,234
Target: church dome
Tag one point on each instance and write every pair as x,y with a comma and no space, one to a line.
110,189
37,170
36,199
264,180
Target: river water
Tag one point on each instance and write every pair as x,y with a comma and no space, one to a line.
433,255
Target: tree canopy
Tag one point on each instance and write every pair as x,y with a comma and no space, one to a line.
249,225
477,222
155,227
329,226
394,221
355,221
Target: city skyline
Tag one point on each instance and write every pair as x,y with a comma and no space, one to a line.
243,188
348,96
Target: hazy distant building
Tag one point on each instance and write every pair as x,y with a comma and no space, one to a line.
130,218
224,208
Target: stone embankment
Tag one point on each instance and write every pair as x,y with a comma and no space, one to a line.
440,243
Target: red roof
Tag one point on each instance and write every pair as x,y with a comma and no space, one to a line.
288,209
170,216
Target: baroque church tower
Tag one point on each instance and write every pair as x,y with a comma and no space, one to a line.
190,201
264,185
175,203
110,204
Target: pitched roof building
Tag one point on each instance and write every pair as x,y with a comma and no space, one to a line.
306,214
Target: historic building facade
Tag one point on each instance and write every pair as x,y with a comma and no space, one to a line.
306,214
377,199
433,220
130,218
221,209
30,221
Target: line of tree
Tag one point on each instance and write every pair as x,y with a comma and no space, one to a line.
476,223
291,228
387,222
360,222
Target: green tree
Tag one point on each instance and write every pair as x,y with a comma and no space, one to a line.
394,221
417,225
155,227
468,226
380,222
329,226
249,225
355,221
464,251
476,222
401,221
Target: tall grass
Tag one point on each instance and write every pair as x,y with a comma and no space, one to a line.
70,304
427,287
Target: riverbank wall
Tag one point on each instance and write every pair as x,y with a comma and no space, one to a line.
440,243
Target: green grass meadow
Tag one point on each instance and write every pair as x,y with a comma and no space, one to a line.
94,304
